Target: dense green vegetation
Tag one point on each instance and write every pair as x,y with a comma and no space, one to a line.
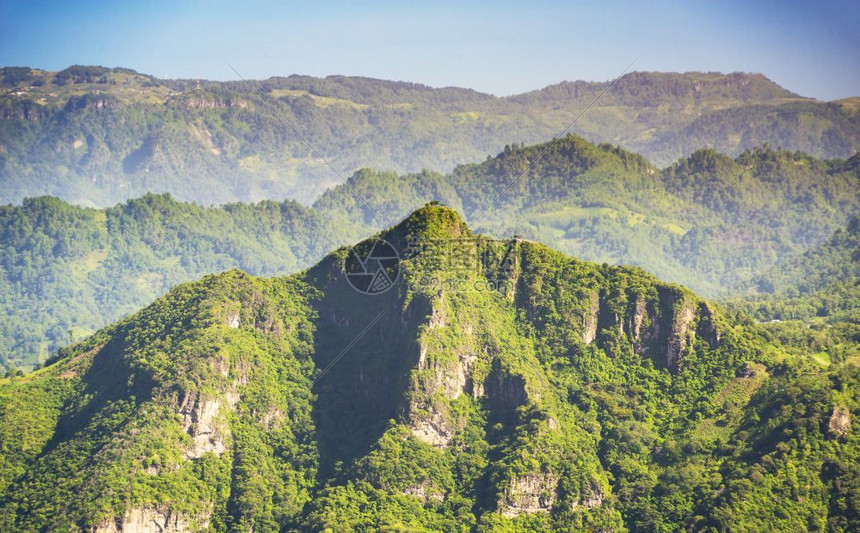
709,222
545,393
821,282
567,396
811,302
96,136
66,271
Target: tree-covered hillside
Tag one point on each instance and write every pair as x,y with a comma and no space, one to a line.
98,136
708,221
822,281
544,394
66,271
811,301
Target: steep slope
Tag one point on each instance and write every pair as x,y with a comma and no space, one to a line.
498,385
97,136
136,423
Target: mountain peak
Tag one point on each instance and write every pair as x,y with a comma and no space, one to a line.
432,221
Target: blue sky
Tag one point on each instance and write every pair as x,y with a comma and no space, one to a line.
812,48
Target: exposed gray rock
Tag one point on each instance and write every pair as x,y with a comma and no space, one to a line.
589,320
528,494
591,497
679,335
432,428
232,319
707,327
425,492
154,520
506,390
202,421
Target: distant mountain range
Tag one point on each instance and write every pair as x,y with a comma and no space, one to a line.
545,394
709,221
97,136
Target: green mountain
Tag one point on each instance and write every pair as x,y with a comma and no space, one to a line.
709,222
66,271
811,301
97,136
822,282
542,393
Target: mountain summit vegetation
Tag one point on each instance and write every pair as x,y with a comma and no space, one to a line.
543,393
97,136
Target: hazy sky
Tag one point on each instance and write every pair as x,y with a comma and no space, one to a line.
810,47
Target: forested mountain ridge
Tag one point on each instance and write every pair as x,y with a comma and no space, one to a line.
67,271
709,221
97,136
554,395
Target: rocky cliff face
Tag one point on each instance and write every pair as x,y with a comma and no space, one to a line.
26,110
839,424
202,419
589,318
442,377
532,493
661,327
90,101
154,520
208,102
